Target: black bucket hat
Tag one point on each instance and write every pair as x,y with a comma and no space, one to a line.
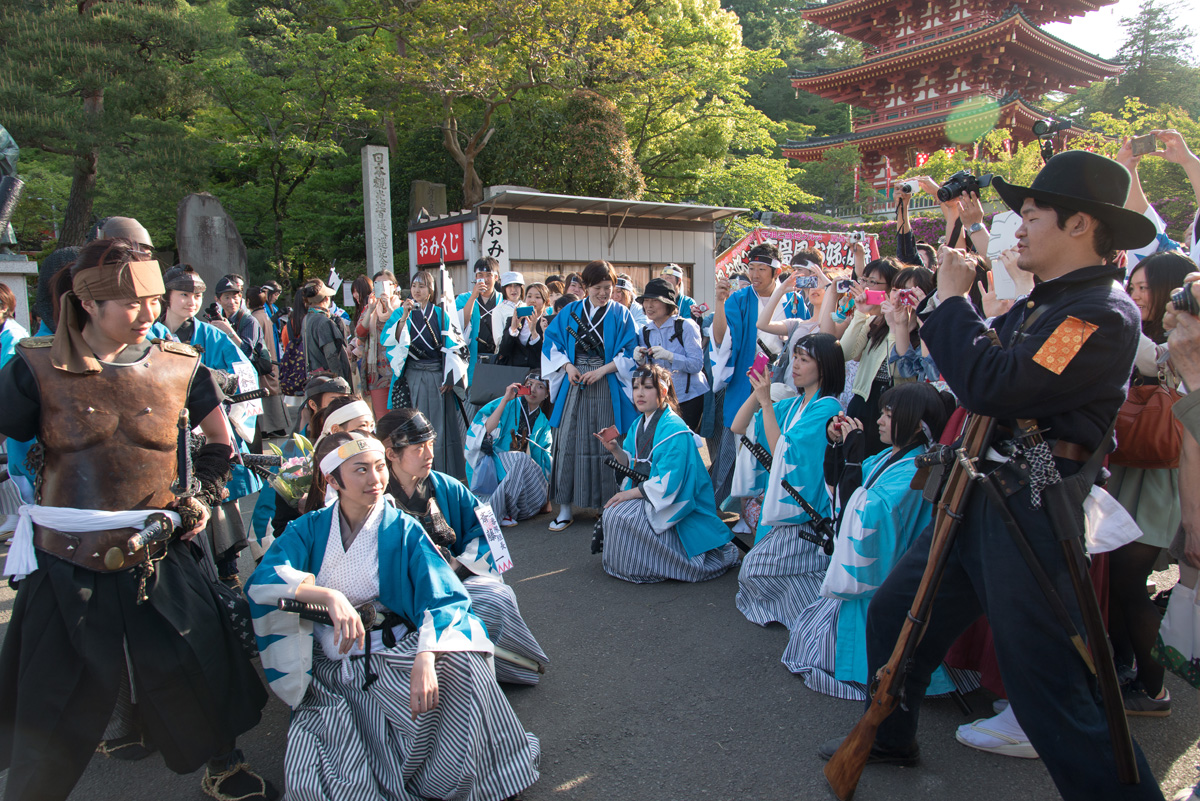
1087,182
658,289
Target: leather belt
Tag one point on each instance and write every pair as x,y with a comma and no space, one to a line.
1070,450
99,551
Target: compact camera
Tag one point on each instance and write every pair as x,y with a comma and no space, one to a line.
806,282
962,181
1183,300
856,237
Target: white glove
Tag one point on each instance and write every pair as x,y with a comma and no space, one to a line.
662,354
639,355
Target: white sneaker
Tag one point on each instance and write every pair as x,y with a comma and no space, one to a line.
997,735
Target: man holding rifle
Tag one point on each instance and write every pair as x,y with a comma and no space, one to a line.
1051,379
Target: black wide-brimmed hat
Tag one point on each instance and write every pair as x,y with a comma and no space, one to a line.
1087,182
658,289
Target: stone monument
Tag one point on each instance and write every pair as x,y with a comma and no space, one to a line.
377,209
207,238
13,266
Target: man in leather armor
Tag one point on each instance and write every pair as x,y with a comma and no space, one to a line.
130,648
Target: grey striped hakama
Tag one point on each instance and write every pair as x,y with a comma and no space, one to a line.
347,744
424,387
523,492
722,452
634,551
579,476
780,577
496,605
812,654
812,651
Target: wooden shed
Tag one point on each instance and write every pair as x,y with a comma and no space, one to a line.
541,234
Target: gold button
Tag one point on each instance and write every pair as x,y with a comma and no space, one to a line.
114,559
1029,304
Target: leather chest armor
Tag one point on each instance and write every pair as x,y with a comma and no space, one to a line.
109,440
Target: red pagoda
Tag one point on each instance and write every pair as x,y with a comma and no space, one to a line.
926,58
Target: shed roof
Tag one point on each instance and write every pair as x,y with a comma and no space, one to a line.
528,200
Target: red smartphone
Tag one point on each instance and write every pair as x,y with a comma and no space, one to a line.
873,297
523,390
609,434
907,297
760,364
703,307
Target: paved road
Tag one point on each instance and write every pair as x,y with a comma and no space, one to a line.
664,692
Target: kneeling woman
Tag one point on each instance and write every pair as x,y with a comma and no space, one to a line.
665,527
410,709
508,452
445,508
828,644
782,573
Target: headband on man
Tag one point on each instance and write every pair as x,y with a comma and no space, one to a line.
345,414
348,450
412,431
774,264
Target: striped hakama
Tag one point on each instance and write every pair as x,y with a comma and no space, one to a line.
347,744
424,391
635,552
722,452
496,605
780,577
812,654
579,476
523,491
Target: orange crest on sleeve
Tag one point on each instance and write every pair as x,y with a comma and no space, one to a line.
1062,346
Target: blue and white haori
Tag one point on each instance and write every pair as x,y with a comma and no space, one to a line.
414,581
882,518
674,533
218,352
514,482
397,340
491,599
620,339
351,734
782,573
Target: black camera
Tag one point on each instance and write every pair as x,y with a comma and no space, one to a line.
1047,127
213,312
1183,300
962,181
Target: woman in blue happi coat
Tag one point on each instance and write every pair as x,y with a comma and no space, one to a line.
409,709
446,510
508,452
665,527
185,296
429,372
589,344
881,515
782,573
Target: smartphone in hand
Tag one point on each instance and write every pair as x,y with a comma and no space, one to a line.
806,282
760,364
609,434
873,297
843,286
1141,145
524,311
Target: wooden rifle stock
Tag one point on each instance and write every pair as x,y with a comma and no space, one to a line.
845,768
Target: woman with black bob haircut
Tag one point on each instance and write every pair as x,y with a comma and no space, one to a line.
879,519
782,573
394,696
1151,495
589,344
868,340
666,526
445,509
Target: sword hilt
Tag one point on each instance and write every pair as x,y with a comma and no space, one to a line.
159,528
625,471
253,394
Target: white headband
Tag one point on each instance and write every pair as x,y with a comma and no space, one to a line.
347,450
345,414
775,263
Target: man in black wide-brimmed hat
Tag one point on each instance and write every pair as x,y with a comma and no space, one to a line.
1066,352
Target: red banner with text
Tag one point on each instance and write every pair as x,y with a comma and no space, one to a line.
432,241
835,246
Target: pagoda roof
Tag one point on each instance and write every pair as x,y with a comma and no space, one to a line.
1015,112
859,19
847,84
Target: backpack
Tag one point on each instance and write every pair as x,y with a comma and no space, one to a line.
678,337
293,374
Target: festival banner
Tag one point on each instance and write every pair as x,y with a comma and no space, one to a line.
834,244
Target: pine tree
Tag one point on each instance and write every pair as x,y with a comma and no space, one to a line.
1158,60
85,79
